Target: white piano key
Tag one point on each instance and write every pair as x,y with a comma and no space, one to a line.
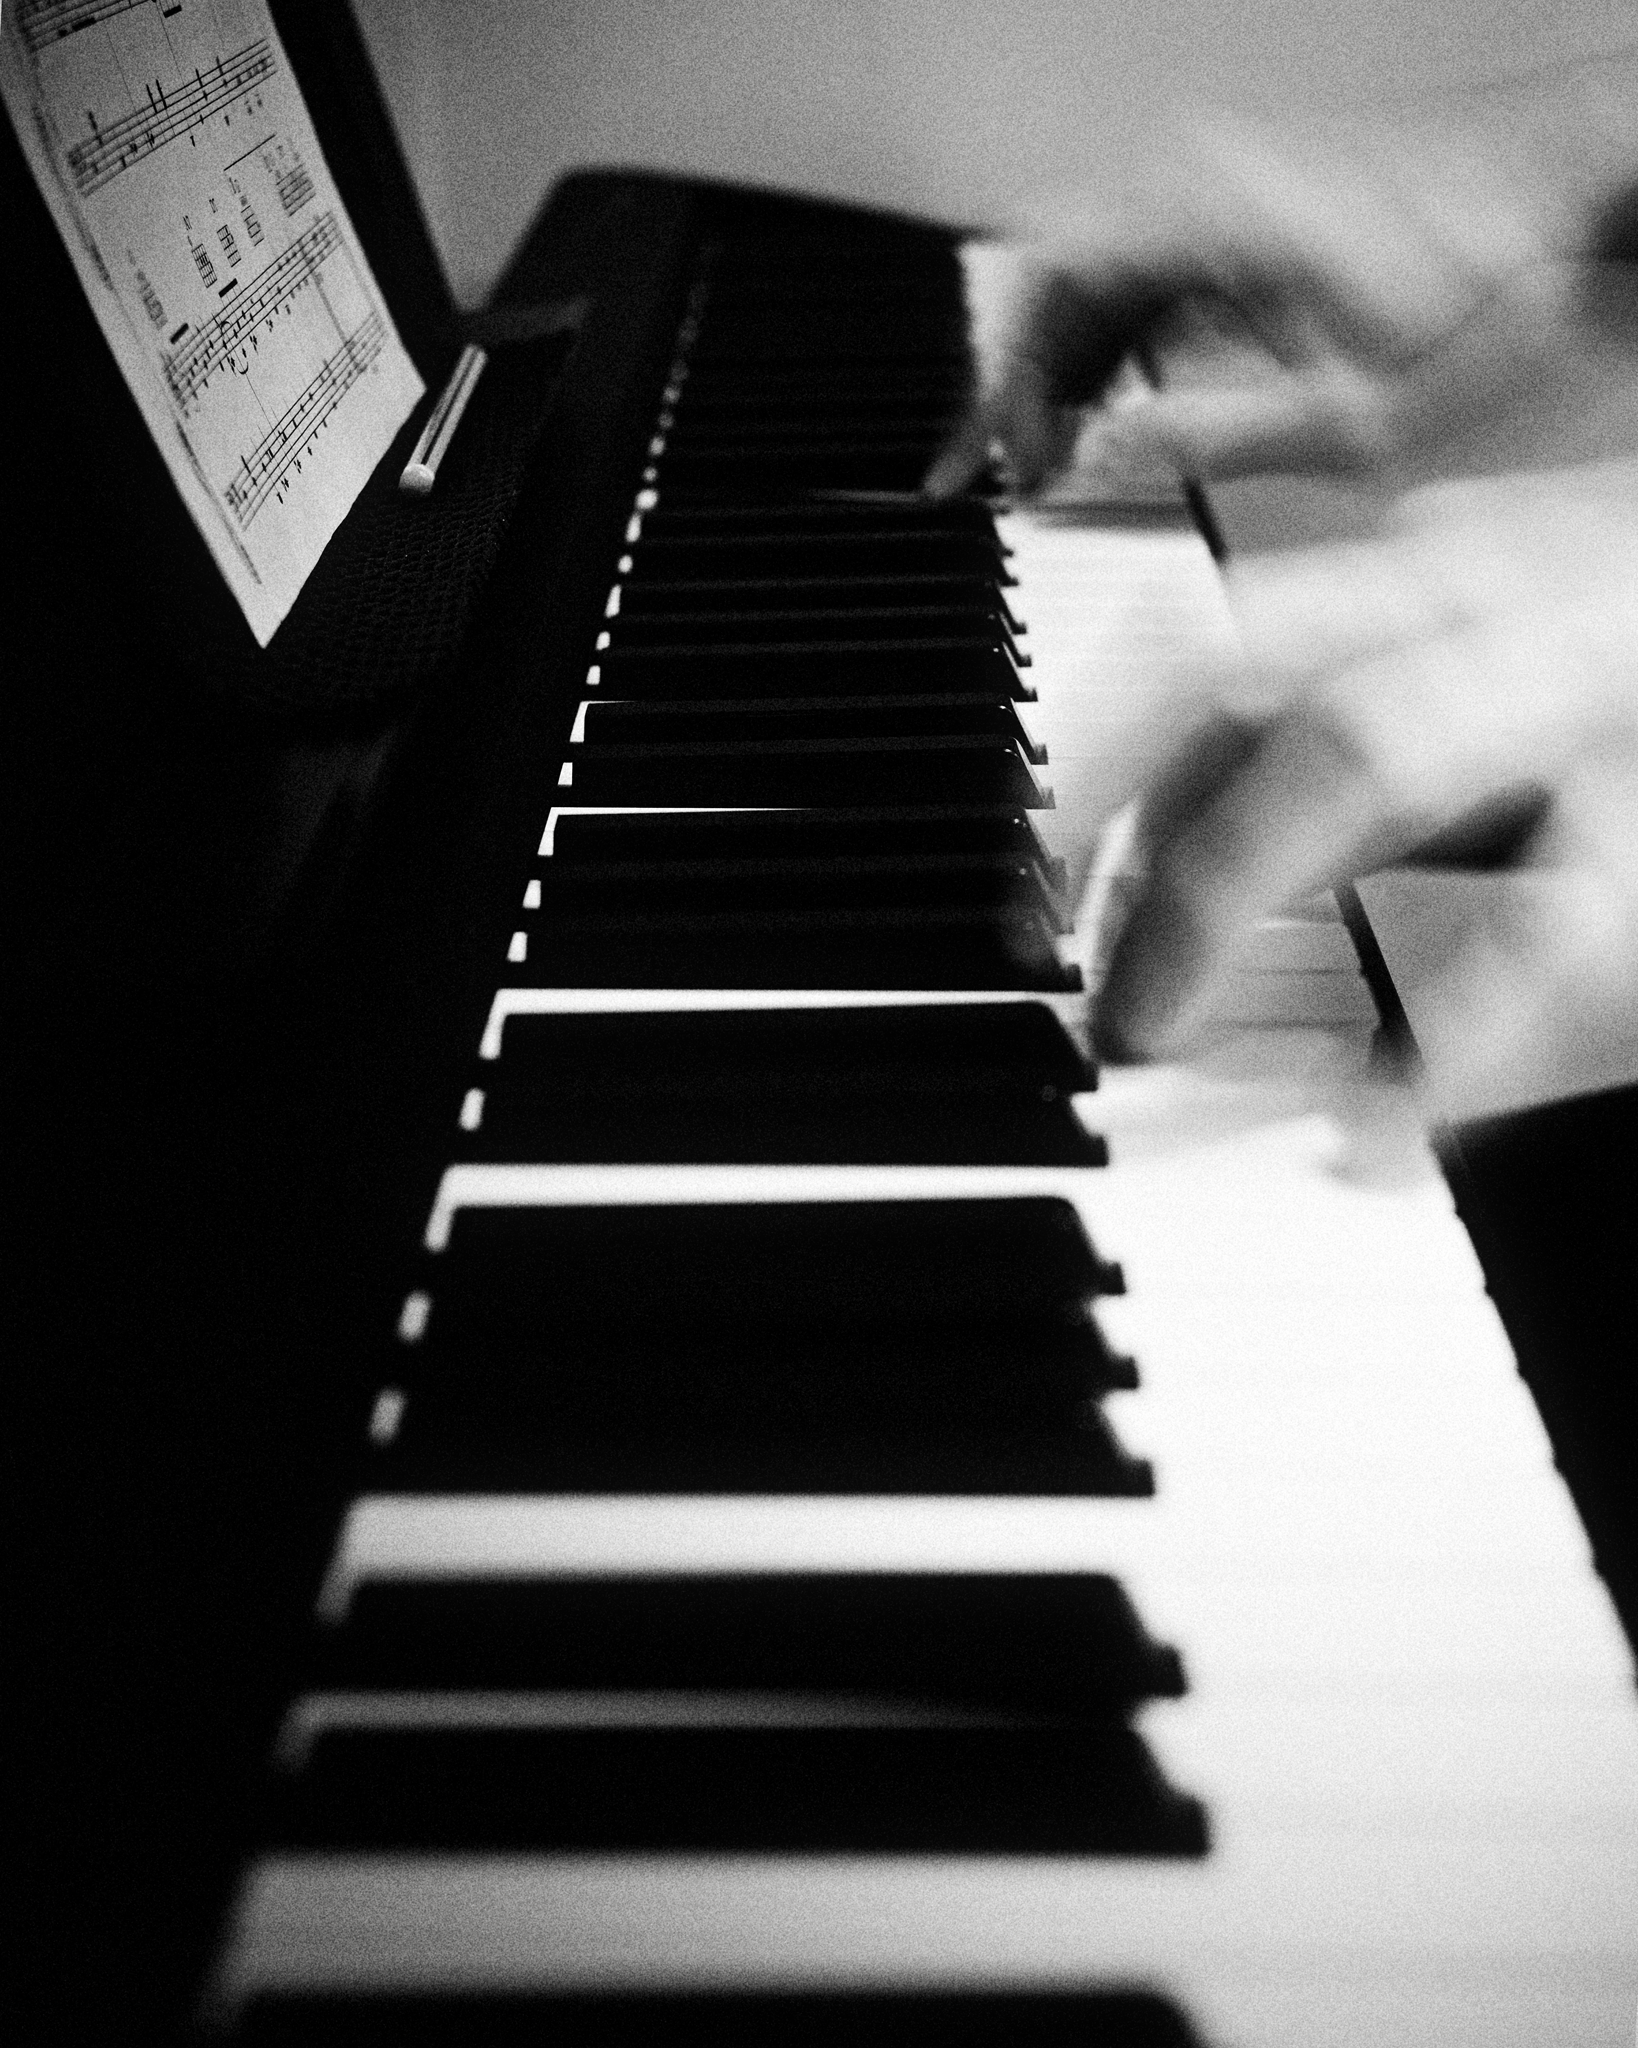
1256,1597
1286,1941
1296,1749
411,1712
1283,995
1305,944
481,1185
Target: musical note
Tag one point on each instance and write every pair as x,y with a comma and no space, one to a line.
294,187
273,289
268,466
167,115
172,145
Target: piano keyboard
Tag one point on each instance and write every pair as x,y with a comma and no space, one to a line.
861,1531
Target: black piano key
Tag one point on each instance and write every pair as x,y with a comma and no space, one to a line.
920,403
988,881
788,347
760,373
733,1268
937,1385
762,361
1087,1790
800,430
860,832
726,2019
862,465
864,1130
804,416
893,949
835,593
979,674
858,400
950,768
1067,1645
651,721
618,1087
1011,1051
860,1130
941,1384
764,669
800,625
875,519
452,1440
673,555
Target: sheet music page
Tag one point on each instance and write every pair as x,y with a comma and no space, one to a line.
174,148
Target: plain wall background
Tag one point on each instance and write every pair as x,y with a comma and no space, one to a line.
952,107
955,108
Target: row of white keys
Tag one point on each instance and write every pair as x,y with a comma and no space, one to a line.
1411,1714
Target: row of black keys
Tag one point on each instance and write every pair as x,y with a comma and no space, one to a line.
730,686
878,1712
989,1083
884,1346
818,1347
806,655
873,770
880,896
845,376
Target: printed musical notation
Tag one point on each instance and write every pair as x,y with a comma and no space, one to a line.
294,187
172,145
188,372
49,21
268,467
166,116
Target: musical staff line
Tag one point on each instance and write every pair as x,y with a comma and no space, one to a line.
189,370
168,115
268,465
234,162
45,22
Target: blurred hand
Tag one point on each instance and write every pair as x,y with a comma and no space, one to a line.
1393,297
1478,660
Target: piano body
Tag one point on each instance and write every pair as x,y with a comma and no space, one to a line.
620,1439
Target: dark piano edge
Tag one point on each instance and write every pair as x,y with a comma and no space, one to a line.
388,927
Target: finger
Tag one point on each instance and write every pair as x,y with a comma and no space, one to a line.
1289,815
1043,348
1032,437
1361,771
1333,421
1195,773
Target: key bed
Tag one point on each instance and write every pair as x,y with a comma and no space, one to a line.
753,1612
